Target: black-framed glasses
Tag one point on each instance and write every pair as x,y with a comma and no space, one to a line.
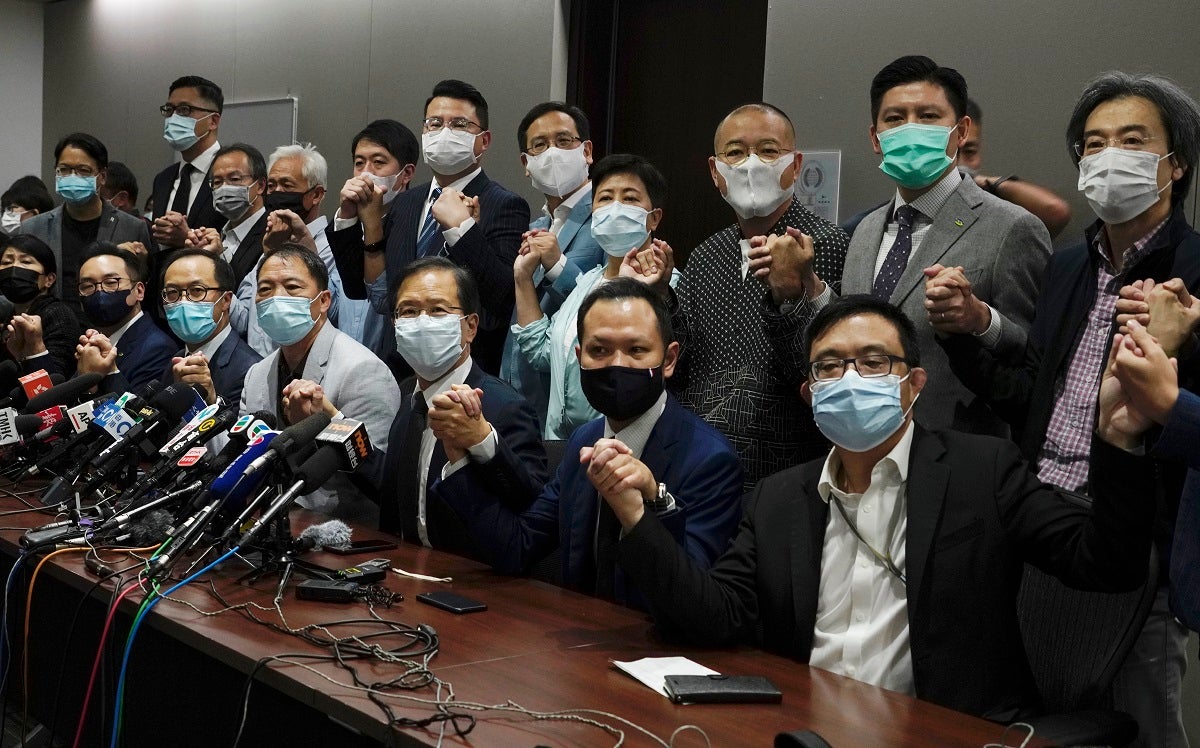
194,292
184,110
872,365
412,312
87,288
433,124
562,141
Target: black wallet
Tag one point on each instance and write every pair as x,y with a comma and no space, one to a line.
722,689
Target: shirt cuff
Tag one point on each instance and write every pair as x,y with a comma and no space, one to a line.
454,233
990,337
556,269
340,223
482,452
37,355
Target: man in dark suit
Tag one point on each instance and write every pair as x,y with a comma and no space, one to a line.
440,424
939,220
462,215
181,196
239,181
647,447
123,343
197,290
896,559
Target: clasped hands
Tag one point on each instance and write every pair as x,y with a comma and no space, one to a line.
950,303
785,262
456,419
624,481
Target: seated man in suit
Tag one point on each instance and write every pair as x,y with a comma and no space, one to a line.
556,150
454,417
197,291
646,447
317,368
123,343
80,170
896,559
462,215
181,197
239,181
938,219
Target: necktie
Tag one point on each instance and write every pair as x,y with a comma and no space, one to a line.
410,471
429,239
897,256
608,533
180,203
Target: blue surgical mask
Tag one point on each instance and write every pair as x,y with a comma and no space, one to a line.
430,345
857,413
180,131
74,188
192,321
286,319
619,228
914,155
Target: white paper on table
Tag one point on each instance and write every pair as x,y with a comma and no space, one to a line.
653,671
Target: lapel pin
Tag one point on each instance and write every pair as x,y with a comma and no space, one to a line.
958,222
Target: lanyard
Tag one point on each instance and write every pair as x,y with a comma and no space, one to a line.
883,558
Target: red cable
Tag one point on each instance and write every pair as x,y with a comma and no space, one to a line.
96,665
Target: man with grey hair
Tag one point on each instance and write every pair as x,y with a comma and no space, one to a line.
1135,139
296,178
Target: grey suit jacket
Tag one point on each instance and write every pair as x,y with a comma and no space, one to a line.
116,226
362,388
1002,248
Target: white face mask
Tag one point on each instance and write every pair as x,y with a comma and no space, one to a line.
557,172
387,183
1120,184
430,345
752,187
448,151
10,221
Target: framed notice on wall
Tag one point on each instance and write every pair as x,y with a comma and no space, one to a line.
818,184
265,124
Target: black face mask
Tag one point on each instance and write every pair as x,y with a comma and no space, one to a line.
106,308
293,201
621,392
19,284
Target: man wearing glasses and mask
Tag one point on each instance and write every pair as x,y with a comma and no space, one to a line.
461,215
181,197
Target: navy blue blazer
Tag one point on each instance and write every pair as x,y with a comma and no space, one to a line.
698,465
488,250
142,354
228,367
1179,439
517,472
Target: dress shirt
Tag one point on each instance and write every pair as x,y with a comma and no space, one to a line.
209,349
457,375
637,432
232,236
454,233
861,628
201,163
1065,454
558,219
116,336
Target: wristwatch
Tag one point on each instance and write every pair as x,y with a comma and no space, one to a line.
662,500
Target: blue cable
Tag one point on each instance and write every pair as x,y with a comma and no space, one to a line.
129,643
4,660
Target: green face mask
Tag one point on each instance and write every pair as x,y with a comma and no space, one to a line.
914,155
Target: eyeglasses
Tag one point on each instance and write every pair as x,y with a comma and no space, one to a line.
462,124
874,365
183,109
62,170
237,180
194,292
1127,142
412,312
768,152
562,142
87,288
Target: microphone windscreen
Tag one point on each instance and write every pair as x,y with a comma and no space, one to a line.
64,393
175,401
27,425
319,468
9,369
151,529
300,434
150,390
267,417
334,533
230,484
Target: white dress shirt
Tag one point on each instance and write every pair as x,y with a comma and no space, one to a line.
558,219
232,236
861,629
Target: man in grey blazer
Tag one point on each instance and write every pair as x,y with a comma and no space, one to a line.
317,368
80,169
940,223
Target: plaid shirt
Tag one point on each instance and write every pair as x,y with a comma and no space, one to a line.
1064,459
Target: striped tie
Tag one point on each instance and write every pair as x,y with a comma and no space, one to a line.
428,241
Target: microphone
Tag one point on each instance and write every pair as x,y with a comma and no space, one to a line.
172,403
350,439
311,475
170,461
29,386
9,370
291,440
63,394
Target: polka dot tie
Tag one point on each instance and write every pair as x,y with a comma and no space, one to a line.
897,256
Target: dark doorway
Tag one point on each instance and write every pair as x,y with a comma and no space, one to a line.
655,77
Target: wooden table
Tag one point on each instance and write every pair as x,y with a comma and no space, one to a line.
539,646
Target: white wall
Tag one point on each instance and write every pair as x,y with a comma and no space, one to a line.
20,91
348,62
